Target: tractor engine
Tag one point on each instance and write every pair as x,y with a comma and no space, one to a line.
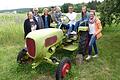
39,41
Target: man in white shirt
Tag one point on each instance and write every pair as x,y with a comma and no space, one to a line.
72,17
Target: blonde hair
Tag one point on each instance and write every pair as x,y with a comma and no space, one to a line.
35,9
58,8
45,9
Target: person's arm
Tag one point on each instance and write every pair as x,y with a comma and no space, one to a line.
98,23
55,16
51,19
25,28
42,22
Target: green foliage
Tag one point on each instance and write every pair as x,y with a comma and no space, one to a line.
78,7
40,10
110,12
64,7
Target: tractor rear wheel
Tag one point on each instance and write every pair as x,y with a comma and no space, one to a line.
83,42
63,68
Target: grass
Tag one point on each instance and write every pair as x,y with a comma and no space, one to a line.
106,67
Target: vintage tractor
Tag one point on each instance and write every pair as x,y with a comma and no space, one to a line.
42,44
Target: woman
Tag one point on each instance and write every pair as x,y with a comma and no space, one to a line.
46,18
83,21
30,24
58,15
95,29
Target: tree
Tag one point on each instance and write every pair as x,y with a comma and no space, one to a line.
110,12
64,7
77,8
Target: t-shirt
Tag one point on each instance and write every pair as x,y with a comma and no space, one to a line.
91,28
46,22
33,25
72,17
36,17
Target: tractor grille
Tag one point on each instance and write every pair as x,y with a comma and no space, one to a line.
31,47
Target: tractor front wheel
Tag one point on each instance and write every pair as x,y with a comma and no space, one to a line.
63,68
22,57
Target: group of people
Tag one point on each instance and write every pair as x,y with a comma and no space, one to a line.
35,22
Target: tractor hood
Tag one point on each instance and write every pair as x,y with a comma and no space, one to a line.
39,41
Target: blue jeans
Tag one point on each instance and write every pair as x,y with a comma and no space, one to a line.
70,28
92,42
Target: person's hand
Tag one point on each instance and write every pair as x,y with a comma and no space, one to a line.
95,34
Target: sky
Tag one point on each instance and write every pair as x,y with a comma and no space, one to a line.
15,4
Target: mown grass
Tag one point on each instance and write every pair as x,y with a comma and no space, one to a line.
105,67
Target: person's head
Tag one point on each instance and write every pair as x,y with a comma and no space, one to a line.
35,11
52,8
84,9
58,9
45,11
92,14
70,8
30,15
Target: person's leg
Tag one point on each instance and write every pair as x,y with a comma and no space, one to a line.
76,26
92,39
90,44
95,49
70,29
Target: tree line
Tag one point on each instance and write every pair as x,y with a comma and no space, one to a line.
109,10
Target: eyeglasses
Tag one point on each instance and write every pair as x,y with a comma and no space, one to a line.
70,7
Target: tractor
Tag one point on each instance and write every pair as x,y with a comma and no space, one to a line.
42,44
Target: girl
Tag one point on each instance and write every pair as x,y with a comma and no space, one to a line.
95,29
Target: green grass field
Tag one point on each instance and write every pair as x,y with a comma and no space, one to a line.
105,67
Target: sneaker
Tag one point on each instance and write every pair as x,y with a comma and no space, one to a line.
73,32
95,56
89,56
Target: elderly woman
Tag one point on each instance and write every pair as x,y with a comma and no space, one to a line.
46,18
30,24
95,29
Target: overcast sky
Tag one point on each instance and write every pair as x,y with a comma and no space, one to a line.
14,4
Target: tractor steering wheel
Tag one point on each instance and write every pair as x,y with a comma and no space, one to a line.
64,20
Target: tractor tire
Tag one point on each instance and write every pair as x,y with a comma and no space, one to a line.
63,68
83,42
21,57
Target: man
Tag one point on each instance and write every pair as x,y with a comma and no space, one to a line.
38,18
72,17
52,13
